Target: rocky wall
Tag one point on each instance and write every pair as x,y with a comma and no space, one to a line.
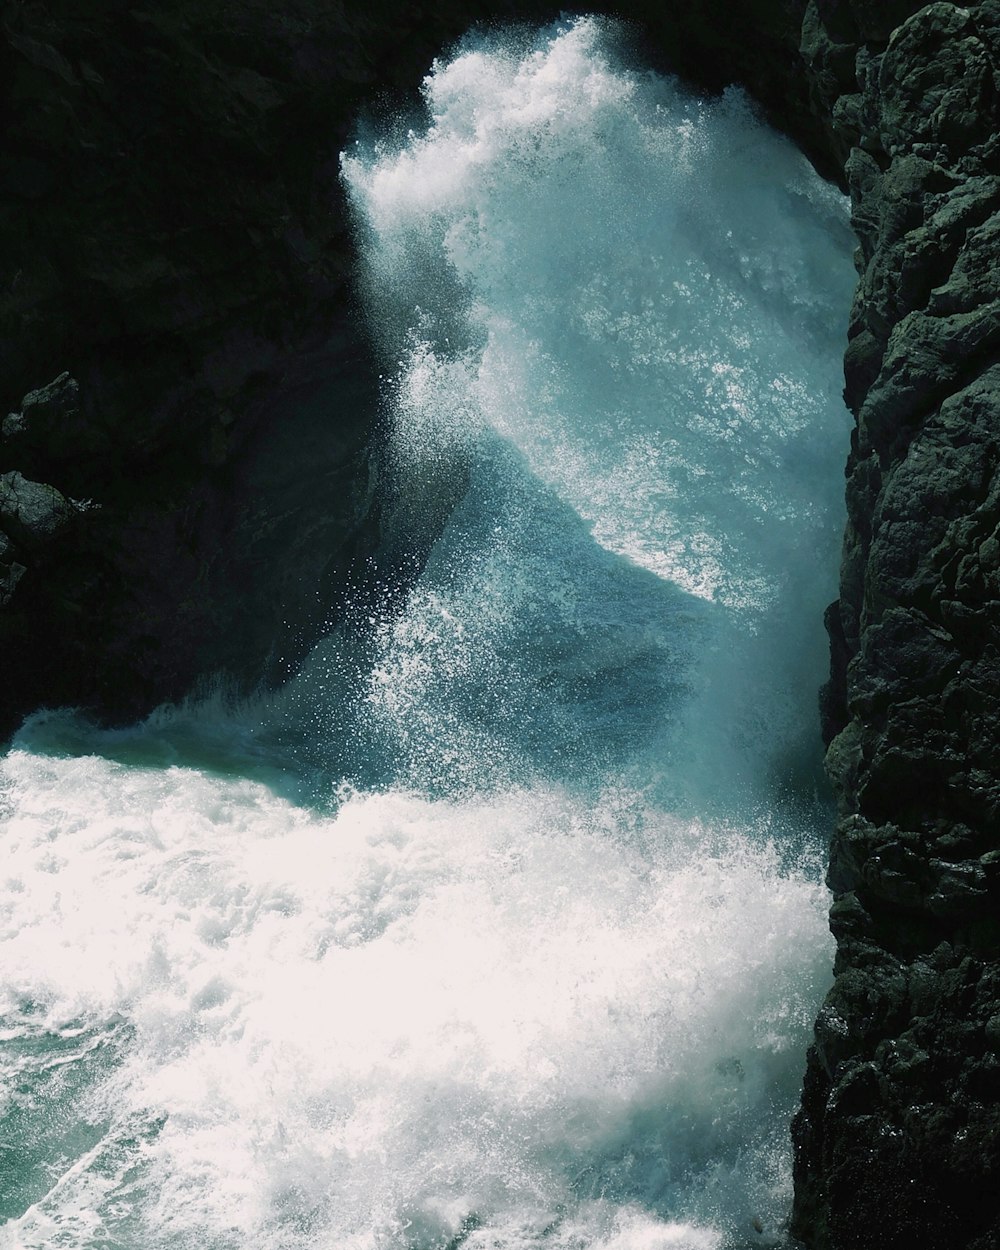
173,283
898,1140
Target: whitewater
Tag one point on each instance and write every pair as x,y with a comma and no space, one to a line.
502,925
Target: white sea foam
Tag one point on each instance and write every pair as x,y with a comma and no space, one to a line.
371,1028
585,260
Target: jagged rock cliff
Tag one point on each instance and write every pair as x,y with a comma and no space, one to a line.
898,1140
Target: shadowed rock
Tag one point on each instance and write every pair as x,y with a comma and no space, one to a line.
896,1140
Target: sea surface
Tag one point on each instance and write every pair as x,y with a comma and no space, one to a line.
502,925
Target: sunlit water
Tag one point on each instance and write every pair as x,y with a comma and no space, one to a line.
502,925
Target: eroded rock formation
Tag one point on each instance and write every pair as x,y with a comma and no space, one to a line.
897,1140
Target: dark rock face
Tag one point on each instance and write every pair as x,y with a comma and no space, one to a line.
897,1139
170,239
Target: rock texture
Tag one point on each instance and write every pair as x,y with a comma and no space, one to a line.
898,1140
171,255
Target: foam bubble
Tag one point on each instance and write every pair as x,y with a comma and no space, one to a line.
611,248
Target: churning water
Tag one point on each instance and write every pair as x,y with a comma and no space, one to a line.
501,926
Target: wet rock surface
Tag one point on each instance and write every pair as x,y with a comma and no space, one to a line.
896,1142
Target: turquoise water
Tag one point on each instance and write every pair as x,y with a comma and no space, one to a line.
502,925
